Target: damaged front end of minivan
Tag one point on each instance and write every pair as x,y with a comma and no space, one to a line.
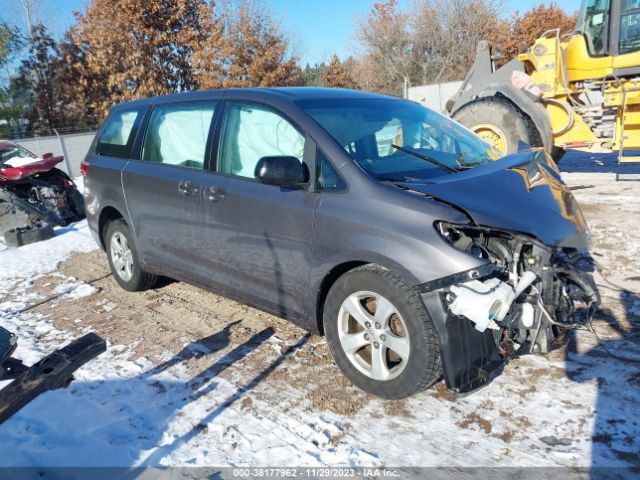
526,296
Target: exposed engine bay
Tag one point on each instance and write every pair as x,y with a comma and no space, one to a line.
34,197
534,294
50,196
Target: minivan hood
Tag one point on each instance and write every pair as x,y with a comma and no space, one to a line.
522,192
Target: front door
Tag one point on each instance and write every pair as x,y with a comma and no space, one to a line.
163,188
258,236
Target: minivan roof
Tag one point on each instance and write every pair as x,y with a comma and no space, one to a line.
284,93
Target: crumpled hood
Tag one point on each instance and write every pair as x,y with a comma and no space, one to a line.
18,168
521,192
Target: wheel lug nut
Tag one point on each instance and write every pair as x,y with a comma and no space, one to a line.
376,345
383,337
378,326
366,336
367,324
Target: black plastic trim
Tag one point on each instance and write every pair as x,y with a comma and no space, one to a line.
461,277
470,358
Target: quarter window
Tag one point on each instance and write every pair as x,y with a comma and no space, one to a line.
252,132
327,178
177,134
119,133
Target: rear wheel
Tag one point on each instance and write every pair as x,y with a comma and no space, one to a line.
123,259
499,123
380,334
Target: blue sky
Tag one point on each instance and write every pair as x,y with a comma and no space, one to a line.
318,27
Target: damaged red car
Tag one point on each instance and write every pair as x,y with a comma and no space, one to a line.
35,196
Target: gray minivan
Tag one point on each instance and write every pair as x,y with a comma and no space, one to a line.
390,229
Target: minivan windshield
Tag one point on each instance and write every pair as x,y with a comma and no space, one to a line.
399,140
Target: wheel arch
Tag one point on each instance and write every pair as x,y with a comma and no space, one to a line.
107,215
325,285
342,267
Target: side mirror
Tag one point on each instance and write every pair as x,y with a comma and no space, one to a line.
282,171
47,155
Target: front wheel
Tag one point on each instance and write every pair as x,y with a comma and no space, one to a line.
123,259
380,334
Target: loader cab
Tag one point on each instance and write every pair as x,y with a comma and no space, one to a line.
606,42
594,26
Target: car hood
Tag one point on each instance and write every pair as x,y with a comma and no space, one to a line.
522,192
18,168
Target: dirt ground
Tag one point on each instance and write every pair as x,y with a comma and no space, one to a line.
162,321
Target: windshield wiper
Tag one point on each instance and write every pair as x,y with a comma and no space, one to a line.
426,158
466,165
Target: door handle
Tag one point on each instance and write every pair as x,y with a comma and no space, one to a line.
216,194
187,187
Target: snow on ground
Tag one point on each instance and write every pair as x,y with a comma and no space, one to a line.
250,405
44,257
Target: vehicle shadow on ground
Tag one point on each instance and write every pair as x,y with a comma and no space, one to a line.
614,364
128,422
574,161
59,231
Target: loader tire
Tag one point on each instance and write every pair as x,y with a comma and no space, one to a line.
499,123
17,237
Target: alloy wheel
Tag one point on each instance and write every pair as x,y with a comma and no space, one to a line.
121,256
373,335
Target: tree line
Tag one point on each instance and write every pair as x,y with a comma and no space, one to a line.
120,50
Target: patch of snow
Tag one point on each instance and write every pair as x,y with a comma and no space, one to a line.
72,290
43,257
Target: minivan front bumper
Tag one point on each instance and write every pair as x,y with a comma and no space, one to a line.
523,300
470,358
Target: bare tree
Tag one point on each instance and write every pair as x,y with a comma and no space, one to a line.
386,39
433,41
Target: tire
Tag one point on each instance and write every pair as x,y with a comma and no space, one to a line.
418,370
120,246
17,237
75,200
510,125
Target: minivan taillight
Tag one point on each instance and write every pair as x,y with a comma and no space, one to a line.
84,169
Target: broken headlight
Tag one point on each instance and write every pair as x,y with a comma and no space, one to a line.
484,243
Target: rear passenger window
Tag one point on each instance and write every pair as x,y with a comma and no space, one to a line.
252,132
177,134
119,133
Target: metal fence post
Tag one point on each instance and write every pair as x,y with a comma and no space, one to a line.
67,161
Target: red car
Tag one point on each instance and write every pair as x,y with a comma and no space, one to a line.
35,196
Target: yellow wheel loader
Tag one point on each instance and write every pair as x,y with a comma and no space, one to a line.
579,91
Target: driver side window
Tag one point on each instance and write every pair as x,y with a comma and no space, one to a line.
252,132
